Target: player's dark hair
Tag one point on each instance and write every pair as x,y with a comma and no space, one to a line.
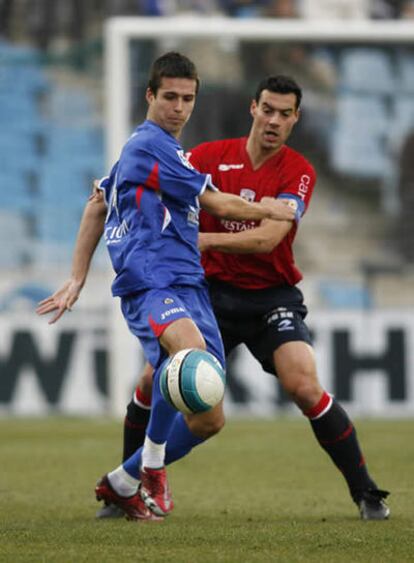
280,84
172,65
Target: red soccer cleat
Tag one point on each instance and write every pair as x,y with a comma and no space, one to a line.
133,507
155,492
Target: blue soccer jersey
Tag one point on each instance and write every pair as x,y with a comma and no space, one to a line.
151,228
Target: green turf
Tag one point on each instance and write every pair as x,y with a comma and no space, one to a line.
260,491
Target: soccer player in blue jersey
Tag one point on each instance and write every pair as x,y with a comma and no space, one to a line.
148,211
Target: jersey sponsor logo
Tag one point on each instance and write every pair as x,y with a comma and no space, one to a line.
227,167
184,159
115,234
172,311
237,226
248,194
303,185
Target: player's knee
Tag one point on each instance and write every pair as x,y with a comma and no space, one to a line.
206,425
145,380
307,395
180,335
304,389
208,429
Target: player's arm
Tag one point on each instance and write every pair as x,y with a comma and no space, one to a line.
89,233
229,206
262,239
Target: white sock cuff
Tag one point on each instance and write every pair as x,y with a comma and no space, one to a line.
122,482
153,454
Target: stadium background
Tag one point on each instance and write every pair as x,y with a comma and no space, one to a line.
355,247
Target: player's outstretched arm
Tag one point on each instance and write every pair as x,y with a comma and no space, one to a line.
228,206
90,231
262,239
61,301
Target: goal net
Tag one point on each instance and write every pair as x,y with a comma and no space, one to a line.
357,117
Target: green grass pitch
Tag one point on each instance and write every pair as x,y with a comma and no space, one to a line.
261,491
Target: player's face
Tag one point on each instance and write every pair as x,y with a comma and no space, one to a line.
173,104
274,116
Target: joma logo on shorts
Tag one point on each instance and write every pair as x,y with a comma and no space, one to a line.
172,312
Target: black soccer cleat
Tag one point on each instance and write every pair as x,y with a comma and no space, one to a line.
372,505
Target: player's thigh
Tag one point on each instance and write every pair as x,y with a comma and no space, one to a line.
271,331
233,332
182,333
163,322
150,313
197,301
208,423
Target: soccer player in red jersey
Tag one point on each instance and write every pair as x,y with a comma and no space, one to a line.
252,278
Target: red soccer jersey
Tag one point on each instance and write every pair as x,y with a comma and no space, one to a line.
286,172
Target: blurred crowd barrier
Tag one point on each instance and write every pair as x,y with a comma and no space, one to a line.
88,366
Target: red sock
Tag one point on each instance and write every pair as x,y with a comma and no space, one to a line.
141,398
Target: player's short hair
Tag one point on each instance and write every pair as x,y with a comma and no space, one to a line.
172,65
280,84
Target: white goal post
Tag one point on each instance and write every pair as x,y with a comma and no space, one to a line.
118,34
119,31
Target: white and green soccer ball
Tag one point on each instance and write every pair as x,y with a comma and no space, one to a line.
192,381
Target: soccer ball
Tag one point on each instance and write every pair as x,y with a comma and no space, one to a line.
192,381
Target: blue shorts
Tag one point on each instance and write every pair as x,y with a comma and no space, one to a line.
148,313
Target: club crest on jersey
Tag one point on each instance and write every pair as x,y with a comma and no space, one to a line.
248,194
184,160
168,301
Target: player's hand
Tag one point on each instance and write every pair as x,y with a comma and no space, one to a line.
62,300
96,193
279,209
